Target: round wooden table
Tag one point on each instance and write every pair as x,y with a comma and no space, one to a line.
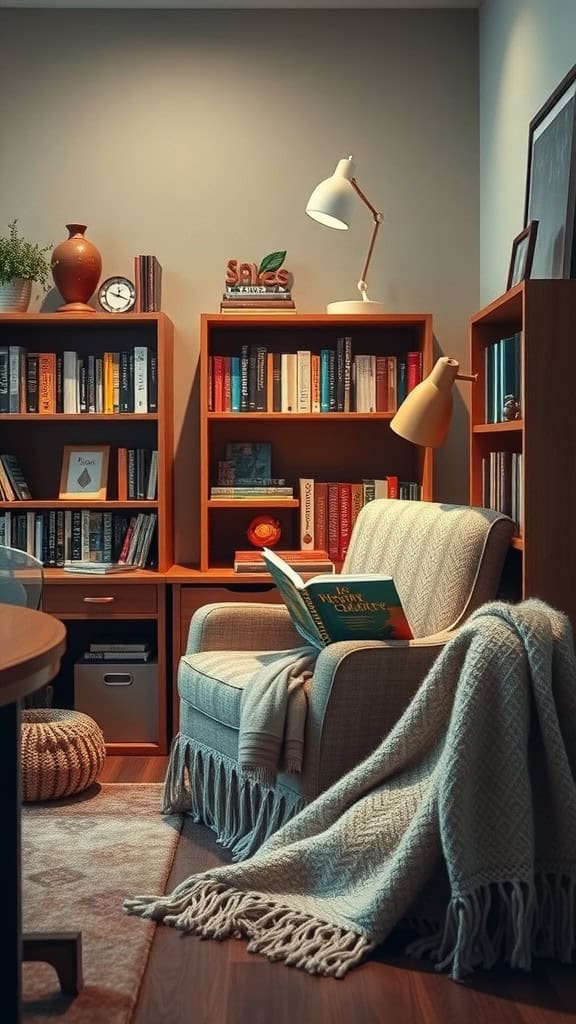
31,648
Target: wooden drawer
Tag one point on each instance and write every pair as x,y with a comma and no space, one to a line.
192,598
103,600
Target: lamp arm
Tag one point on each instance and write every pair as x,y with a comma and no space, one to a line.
363,287
467,376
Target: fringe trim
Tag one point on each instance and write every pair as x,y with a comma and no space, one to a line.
210,909
509,921
242,811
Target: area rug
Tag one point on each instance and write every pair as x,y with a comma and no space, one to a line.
79,858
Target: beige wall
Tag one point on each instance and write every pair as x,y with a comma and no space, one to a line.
198,136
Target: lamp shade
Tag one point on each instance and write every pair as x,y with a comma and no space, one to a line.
331,201
425,414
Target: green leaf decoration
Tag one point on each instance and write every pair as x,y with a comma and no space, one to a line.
273,261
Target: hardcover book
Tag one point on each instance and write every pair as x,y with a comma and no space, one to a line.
329,608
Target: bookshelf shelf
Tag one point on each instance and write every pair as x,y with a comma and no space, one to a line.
116,605
292,416
77,417
510,426
96,506
542,559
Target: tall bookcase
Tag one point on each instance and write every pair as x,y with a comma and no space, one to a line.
133,603
343,446
542,562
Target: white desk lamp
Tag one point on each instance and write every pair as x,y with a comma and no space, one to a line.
331,204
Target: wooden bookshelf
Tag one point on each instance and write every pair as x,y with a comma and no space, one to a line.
117,605
542,562
342,446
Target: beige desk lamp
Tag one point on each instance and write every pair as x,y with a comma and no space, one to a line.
425,414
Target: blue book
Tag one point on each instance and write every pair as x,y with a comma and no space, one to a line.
235,384
325,380
252,459
508,375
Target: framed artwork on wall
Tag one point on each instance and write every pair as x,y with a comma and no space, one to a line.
84,472
522,255
551,182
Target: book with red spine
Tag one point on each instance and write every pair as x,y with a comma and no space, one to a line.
122,474
345,503
333,521
393,489
226,385
218,377
127,539
315,382
414,369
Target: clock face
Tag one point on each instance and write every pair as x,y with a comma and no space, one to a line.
117,295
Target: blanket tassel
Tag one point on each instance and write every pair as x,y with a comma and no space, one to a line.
210,909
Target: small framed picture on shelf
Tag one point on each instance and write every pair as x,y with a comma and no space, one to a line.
84,472
522,255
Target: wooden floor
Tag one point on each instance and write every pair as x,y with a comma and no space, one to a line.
189,981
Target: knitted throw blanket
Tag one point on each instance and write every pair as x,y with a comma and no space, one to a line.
476,781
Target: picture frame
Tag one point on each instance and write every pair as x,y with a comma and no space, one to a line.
522,255
551,182
84,472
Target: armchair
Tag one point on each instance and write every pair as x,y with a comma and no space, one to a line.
446,561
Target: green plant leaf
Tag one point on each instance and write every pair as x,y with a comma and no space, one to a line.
273,261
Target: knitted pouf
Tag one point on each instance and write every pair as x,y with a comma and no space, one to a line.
62,753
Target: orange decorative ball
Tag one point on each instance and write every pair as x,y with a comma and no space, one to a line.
264,532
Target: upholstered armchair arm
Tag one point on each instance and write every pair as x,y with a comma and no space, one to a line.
358,692
239,626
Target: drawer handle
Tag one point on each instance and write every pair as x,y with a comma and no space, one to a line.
98,600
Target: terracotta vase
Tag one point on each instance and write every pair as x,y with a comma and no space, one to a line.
76,269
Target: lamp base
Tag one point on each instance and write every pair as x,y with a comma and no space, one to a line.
365,306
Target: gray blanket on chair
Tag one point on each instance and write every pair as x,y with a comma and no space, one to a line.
476,783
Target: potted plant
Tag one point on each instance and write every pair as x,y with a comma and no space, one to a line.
21,263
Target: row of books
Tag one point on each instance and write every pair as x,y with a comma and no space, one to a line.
334,380
13,486
137,474
65,382
328,510
502,485
59,536
131,651
148,284
503,379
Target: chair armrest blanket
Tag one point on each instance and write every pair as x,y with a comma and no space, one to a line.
242,626
357,694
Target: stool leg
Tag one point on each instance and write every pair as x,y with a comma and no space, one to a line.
63,950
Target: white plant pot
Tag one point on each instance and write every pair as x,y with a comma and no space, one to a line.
15,295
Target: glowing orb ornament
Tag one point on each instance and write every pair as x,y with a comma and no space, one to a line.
264,531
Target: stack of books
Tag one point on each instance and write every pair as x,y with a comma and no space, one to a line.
137,474
252,298
246,472
148,284
304,562
113,650
13,486
59,536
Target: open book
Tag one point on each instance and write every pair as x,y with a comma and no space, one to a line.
330,607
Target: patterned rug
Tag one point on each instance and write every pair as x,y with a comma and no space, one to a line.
80,857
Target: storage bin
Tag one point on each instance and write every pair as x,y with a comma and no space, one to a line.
121,696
